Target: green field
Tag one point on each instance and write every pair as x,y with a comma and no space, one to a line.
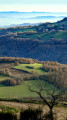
21,90
35,68
24,30
61,35
2,77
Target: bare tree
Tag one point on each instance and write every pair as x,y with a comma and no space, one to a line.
51,99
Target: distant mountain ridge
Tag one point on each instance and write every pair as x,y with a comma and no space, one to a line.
10,18
32,12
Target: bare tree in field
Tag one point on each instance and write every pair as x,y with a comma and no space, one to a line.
51,98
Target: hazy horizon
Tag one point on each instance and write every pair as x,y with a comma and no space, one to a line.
31,11
13,18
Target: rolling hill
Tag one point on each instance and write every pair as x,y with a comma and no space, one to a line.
17,73
45,42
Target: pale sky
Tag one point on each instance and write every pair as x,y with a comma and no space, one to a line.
34,5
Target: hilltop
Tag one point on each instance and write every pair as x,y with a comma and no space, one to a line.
45,42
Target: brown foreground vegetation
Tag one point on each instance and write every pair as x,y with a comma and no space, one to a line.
60,112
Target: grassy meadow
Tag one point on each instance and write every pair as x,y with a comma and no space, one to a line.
2,77
22,91
24,30
35,68
26,72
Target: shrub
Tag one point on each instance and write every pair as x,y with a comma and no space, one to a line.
31,114
5,72
12,82
9,82
17,60
19,81
16,63
53,66
7,116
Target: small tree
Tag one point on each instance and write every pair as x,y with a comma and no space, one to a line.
51,99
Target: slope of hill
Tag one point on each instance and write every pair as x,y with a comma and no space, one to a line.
17,73
45,42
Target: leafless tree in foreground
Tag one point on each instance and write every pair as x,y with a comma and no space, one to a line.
51,99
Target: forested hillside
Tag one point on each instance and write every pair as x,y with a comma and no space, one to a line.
46,42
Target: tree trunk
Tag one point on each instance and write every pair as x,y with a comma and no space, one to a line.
51,114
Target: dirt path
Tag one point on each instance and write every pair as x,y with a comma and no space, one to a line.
61,112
